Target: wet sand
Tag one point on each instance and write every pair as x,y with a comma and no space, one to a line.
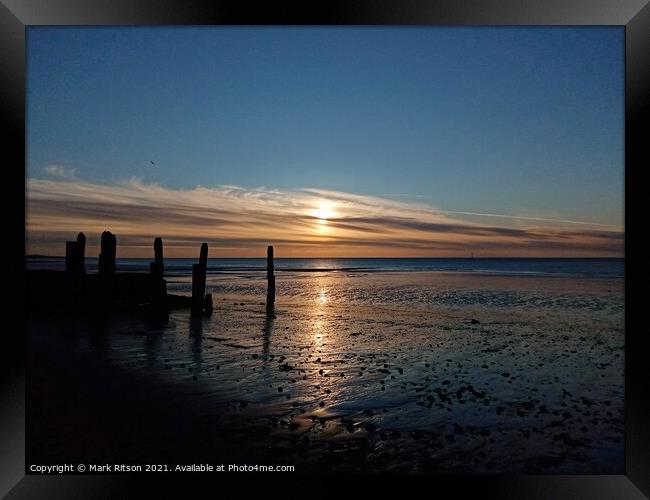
416,372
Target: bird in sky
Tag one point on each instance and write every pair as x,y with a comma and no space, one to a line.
152,163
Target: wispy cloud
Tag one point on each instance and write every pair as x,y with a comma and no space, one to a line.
59,171
241,222
537,219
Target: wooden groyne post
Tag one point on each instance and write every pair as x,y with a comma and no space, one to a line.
270,278
81,247
157,267
157,271
74,255
198,280
107,254
71,256
106,268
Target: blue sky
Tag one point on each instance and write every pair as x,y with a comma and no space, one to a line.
513,121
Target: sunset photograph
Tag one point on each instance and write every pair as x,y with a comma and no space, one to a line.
326,250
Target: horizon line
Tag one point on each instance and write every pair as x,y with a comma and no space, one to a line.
353,257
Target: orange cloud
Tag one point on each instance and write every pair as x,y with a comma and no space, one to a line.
239,222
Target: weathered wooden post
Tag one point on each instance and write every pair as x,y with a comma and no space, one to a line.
106,267
74,270
157,271
203,258
107,254
71,256
198,279
81,247
270,278
158,253
74,255
157,267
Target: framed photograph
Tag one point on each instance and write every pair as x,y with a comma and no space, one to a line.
291,246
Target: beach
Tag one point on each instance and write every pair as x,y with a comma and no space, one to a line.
361,370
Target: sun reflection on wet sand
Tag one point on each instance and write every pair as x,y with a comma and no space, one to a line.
319,332
320,311
322,297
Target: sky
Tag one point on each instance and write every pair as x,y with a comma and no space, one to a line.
368,141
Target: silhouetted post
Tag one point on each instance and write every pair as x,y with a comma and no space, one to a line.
203,258
74,255
270,278
198,279
71,257
81,248
157,267
107,254
106,270
157,271
158,253
74,271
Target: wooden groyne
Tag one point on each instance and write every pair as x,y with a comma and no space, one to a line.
75,290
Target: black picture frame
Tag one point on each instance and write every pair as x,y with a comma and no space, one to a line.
634,15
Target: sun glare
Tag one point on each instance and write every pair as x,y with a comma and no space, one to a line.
323,212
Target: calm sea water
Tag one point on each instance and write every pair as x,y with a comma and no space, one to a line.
584,267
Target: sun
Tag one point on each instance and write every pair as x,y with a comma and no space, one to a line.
323,212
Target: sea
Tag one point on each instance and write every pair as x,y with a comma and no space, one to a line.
181,267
